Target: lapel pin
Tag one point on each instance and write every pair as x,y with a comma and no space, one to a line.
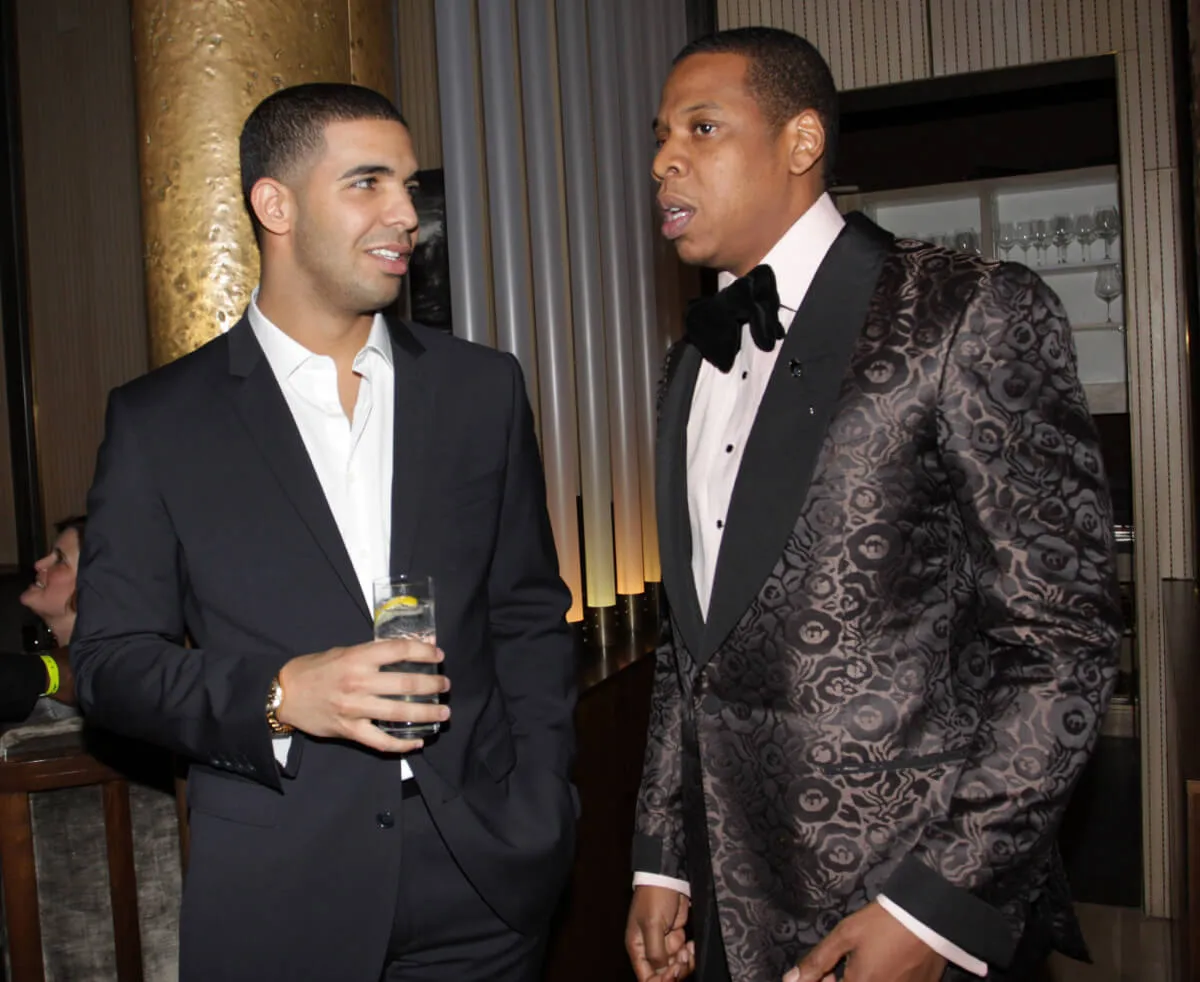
796,368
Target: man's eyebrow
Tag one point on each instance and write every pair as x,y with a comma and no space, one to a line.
656,124
367,170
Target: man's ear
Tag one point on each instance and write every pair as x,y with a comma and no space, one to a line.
273,205
806,141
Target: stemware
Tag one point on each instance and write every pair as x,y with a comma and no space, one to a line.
1062,232
1041,238
1006,238
1108,227
1108,287
1085,233
1025,238
967,241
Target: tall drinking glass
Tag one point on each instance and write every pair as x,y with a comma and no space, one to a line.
404,611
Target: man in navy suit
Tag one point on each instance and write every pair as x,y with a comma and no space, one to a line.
245,498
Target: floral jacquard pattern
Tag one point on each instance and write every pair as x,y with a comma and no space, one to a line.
923,673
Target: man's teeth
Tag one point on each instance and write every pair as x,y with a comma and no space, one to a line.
386,253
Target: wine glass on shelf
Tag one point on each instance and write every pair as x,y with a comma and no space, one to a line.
1108,287
1062,232
967,241
1041,238
1085,233
1006,238
1025,238
1108,227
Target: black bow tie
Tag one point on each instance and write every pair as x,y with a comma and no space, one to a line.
714,324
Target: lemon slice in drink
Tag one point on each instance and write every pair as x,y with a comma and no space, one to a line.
393,603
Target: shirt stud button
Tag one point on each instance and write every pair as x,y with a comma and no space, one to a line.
720,524
729,448
745,375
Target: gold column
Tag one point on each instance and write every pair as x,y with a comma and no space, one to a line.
200,68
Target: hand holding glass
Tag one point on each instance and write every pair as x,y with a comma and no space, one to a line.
404,611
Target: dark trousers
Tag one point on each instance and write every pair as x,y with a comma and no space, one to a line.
443,930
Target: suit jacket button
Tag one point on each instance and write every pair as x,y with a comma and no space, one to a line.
385,820
711,705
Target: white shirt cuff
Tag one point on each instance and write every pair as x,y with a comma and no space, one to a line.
947,949
658,880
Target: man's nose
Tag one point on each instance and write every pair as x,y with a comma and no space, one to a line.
668,162
402,213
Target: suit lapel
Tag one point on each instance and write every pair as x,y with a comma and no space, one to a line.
264,413
674,527
414,401
790,427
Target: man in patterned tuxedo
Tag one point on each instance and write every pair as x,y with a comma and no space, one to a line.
887,549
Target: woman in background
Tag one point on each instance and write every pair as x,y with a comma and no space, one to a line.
25,678
68,825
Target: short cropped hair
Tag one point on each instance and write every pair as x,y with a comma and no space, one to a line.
289,125
786,75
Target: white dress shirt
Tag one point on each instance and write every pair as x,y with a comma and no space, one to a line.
724,405
352,457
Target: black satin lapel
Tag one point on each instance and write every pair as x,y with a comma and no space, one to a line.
261,407
411,426
789,430
674,529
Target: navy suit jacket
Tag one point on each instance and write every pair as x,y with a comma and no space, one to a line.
212,559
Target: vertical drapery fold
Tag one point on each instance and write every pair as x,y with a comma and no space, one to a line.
587,302
507,211
616,291
554,255
462,153
552,279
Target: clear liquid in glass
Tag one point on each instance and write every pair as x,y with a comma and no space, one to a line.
408,619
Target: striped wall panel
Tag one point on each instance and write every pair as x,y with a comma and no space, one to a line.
416,49
87,304
875,42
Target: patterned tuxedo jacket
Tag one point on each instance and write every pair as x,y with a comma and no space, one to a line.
913,629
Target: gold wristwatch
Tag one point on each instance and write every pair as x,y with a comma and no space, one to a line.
274,701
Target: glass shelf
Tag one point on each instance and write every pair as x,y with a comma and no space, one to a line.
972,214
